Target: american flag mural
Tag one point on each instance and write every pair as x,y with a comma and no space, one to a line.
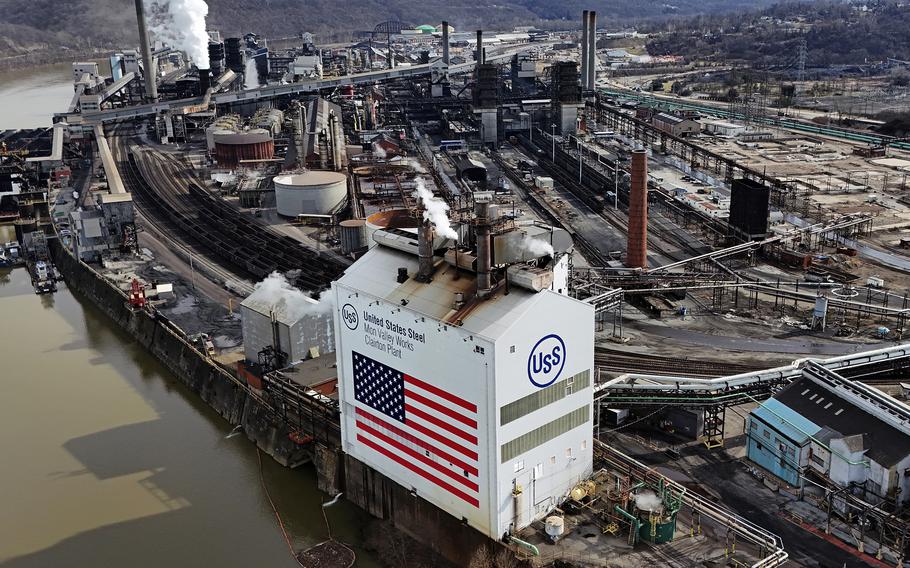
419,426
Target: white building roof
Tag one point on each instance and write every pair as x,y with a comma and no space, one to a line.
280,304
376,275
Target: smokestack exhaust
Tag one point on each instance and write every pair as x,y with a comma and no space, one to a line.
445,42
204,81
592,50
151,77
484,252
425,236
584,49
637,244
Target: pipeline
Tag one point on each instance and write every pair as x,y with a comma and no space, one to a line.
749,531
526,545
633,520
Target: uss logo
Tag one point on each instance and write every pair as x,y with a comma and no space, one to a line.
547,360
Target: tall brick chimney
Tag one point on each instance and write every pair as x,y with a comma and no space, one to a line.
637,248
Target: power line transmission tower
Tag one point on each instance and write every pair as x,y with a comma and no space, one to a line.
801,60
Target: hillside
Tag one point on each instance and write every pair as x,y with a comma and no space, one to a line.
836,33
50,30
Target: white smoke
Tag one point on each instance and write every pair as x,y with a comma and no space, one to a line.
280,296
416,166
435,210
379,152
250,75
537,247
181,24
647,501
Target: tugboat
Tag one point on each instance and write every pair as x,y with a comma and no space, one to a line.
43,278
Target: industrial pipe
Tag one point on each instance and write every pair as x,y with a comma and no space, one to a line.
592,49
526,545
637,242
633,520
484,254
425,235
151,76
445,42
584,49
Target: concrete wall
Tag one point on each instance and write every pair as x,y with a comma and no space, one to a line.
419,519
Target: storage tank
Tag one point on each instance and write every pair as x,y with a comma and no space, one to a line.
657,529
353,235
554,527
231,147
312,193
391,219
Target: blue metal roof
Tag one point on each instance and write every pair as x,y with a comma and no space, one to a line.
786,420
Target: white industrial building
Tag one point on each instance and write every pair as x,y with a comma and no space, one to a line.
722,128
286,319
471,386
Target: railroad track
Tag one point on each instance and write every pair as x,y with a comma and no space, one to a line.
171,190
614,361
156,219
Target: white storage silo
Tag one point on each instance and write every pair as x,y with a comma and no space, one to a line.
310,193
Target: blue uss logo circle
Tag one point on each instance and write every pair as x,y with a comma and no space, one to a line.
349,316
548,357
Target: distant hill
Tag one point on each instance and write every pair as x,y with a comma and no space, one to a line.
835,32
38,31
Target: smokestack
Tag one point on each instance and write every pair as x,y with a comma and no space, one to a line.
445,42
484,254
151,77
204,81
584,49
478,56
592,49
637,244
425,236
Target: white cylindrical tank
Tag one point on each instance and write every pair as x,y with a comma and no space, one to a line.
554,527
310,193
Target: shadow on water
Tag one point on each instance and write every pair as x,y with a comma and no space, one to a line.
213,511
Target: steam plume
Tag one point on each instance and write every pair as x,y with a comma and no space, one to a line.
181,24
537,247
278,293
647,501
435,210
250,75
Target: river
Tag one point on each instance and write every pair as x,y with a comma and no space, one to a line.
108,461
30,97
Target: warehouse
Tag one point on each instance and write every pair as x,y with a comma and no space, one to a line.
675,125
846,433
